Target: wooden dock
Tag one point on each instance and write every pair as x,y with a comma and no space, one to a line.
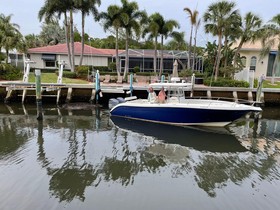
65,93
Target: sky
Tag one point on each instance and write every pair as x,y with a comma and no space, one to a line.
25,13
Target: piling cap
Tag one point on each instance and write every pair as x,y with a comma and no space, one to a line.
37,72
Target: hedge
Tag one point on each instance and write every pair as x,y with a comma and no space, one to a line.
223,82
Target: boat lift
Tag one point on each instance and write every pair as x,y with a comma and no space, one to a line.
25,85
24,81
26,77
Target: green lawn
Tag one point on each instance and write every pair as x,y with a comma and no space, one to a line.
267,84
52,78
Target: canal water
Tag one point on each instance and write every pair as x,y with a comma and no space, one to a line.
83,159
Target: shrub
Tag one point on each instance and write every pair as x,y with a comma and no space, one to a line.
82,71
112,66
223,82
69,74
9,72
110,73
136,69
188,73
101,68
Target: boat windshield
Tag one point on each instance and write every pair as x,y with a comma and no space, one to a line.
175,92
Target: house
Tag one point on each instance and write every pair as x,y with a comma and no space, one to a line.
48,57
144,59
250,54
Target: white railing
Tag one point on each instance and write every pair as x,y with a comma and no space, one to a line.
246,75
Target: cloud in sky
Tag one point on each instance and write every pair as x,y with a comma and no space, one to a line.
25,13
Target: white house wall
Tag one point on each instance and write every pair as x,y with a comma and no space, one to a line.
37,58
87,60
261,66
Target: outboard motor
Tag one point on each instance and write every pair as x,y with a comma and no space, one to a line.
121,100
115,101
112,102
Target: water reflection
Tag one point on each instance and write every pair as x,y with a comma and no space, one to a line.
85,149
11,137
199,138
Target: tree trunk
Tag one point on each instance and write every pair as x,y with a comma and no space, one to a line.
117,53
236,53
126,54
194,49
155,56
226,51
190,49
67,39
218,57
83,39
161,57
72,41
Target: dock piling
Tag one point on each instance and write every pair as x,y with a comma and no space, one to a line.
131,84
38,94
97,87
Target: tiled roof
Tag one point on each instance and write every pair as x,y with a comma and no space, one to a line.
62,49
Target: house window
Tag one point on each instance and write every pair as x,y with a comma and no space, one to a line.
253,63
50,63
243,61
49,60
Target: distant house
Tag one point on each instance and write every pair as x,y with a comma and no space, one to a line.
252,60
144,59
48,57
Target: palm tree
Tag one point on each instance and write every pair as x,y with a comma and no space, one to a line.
52,33
153,24
193,15
49,10
10,37
216,20
251,23
270,39
165,30
195,38
113,18
32,41
231,31
86,7
178,41
131,23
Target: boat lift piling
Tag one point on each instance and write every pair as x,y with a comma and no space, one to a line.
131,84
162,78
98,92
59,79
38,94
259,93
26,78
192,88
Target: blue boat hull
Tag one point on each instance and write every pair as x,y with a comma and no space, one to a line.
179,116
